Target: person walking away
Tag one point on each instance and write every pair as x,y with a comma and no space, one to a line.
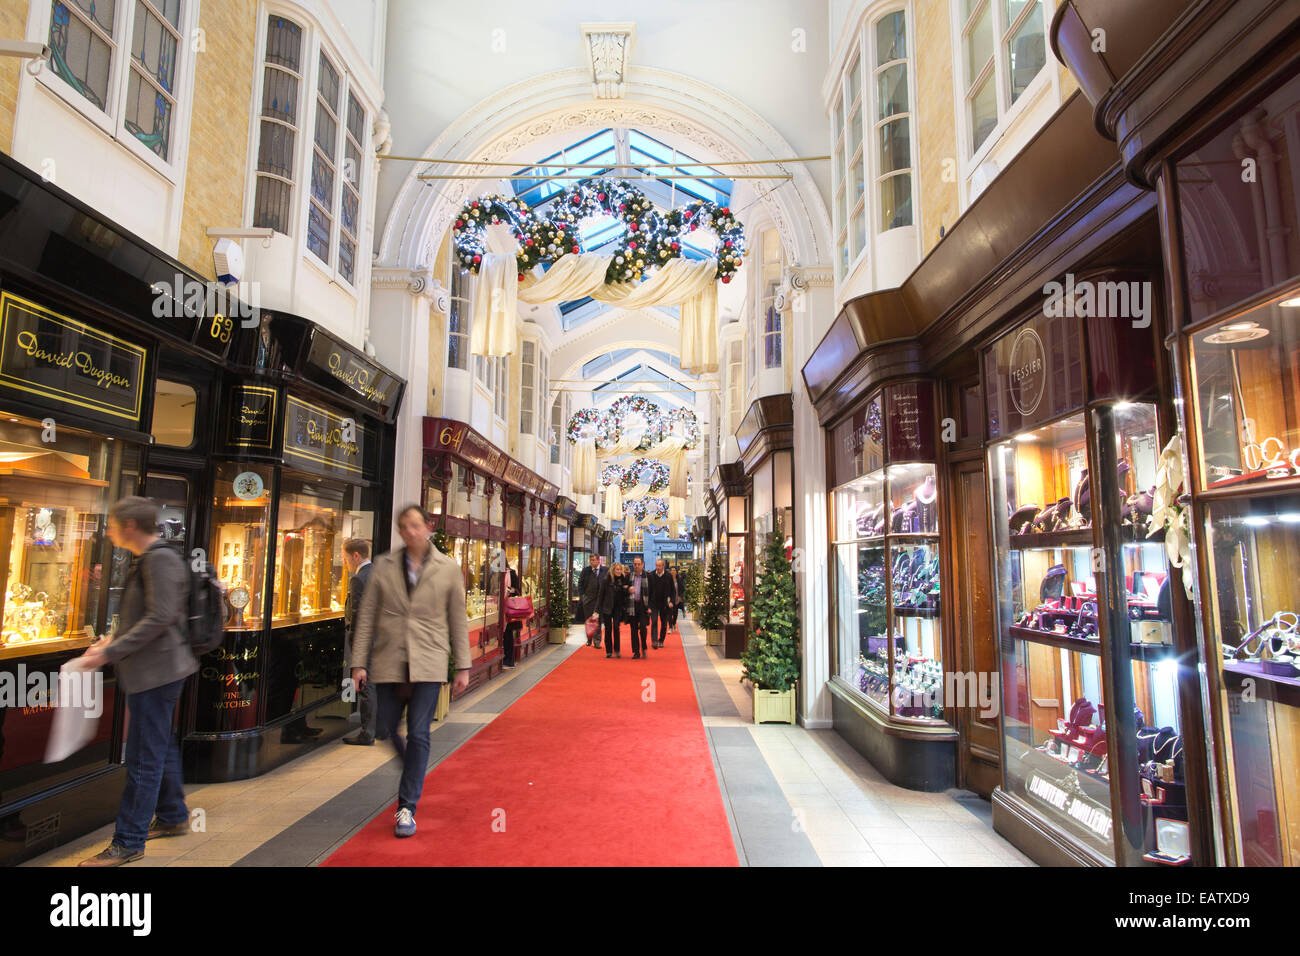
410,627
639,607
150,651
662,597
510,583
588,592
611,598
678,601
356,558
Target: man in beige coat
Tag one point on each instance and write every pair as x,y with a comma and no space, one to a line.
411,623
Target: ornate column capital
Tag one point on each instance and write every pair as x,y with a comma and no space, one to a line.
608,46
417,282
796,280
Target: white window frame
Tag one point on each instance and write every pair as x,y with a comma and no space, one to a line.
735,384
1007,114
112,119
878,177
765,275
315,44
500,396
461,305
527,386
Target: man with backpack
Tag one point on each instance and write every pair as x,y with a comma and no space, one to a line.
151,652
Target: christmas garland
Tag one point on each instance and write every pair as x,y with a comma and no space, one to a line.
659,424
651,241
629,477
641,508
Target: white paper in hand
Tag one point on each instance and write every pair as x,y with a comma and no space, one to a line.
76,718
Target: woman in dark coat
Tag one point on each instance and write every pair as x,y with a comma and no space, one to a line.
611,599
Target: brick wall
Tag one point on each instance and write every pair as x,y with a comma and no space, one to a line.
937,165
13,25
219,128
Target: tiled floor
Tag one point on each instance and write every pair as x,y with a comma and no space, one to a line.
795,796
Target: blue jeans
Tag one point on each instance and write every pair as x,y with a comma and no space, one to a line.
419,714
153,766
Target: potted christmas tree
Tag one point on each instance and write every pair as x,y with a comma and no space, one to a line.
691,589
713,608
558,600
771,660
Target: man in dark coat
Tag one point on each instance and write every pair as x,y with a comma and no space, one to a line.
663,597
356,557
588,591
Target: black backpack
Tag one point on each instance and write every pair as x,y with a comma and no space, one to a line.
206,619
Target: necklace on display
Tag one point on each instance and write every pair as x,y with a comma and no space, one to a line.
919,494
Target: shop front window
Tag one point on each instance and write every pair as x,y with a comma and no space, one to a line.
241,512
308,554
53,536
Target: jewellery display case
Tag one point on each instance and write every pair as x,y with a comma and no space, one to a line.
1246,384
1083,601
889,685
52,538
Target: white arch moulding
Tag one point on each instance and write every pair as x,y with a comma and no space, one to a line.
504,126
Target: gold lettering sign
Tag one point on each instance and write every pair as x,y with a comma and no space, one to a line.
253,417
358,378
50,355
322,438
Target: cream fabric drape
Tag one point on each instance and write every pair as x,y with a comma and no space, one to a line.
691,284
676,509
496,299
614,503
584,467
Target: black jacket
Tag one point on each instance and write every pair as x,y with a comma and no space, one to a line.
611,597
585,581
356,590
663,593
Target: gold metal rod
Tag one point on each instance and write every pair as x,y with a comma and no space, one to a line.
491,176
475,162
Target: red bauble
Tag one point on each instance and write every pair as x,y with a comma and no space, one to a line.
575,248
688,214
577,200
521,277
739,263
474,204
726,279
677,247
631,226
727,243
528,242
631,245
725,211
600,196
460,223
476,259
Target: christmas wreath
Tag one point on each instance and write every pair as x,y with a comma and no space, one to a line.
690,425
470,230
730,247
659,475
629,405
583,417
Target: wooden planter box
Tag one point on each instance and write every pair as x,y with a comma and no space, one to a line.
714,637
559,635
773,706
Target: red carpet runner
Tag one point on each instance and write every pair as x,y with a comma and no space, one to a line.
582,772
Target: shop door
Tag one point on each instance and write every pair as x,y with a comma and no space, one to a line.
979,749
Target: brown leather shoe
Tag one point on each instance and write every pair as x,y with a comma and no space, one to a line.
115,855
160,829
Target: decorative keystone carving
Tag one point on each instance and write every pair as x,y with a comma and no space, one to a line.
608,46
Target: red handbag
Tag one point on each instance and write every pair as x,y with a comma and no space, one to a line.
519,608
593,627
